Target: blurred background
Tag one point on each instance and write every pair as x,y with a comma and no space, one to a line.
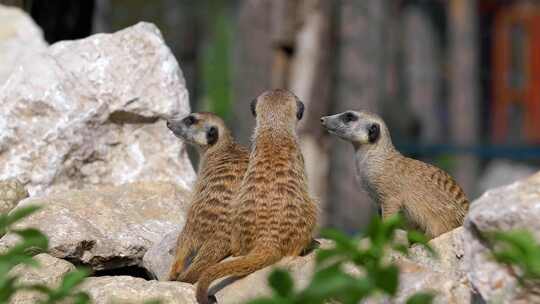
457,81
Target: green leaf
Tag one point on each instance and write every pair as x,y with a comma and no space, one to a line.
267,301
281,282
327,283
416,237
83,298
33,239
421,298
387,279
7,220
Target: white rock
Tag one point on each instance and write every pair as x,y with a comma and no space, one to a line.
91,111
516,206
49,273
19,38
124,289
11,192
106,227
159,258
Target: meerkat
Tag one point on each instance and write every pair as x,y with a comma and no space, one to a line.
275,216
429,198
206,234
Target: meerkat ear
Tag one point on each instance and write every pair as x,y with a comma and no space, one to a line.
212,135
253,105
300,110
374,132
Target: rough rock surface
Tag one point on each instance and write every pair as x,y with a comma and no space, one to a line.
11,193
108,226
516,206
125,289
19,38
445,274
159,258
91,111
49,273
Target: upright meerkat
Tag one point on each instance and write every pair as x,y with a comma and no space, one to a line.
275,216
206,235
428,197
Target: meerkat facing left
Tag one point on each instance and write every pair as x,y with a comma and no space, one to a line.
206,235
275,216
429,198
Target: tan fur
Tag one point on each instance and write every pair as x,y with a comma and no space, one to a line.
429,198
207,232
275,216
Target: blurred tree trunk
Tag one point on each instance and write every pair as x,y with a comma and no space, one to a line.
311,80
463,64
359,85
422,70
252,62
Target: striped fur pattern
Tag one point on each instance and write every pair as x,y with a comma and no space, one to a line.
430,199
206,235
275,216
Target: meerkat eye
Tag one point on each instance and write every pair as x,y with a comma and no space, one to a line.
300,110
190,120
253,105
212,135
374,131
348,117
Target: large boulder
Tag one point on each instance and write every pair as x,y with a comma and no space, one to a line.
443,274
11,193
106,227
125,289
20,37
49,273
516,206
92,111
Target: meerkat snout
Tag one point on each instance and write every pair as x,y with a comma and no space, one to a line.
360,128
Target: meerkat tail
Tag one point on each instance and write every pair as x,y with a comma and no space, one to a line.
242,266
210,254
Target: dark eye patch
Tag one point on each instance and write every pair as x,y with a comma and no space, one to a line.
348,117
300,110
212,135
190,120
374,132
253,105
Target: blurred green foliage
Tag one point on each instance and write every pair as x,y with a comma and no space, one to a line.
331,282
518,248
216,73
32,240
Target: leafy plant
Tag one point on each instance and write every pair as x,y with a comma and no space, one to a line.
331,281
32,240
519,249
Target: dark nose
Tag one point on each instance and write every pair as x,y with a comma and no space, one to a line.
168,124
323,119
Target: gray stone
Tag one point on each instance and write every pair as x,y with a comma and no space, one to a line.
106,227
516,206
159,258
124,289
91,111
11,193
49,273
20,37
